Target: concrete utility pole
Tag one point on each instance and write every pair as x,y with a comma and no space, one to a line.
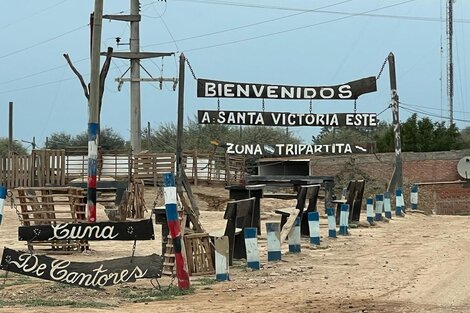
135,82
10,127
397,177
135,56
93,111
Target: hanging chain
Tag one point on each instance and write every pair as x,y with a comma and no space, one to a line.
218,104
191,69
262,105
382,68
355,106
310,106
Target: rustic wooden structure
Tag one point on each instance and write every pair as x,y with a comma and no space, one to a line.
354,196
52,205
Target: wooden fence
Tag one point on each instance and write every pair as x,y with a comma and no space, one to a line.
59,167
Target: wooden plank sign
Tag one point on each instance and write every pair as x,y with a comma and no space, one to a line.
261,118
288,149
96,274
225,89
134,230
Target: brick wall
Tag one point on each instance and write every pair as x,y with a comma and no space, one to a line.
441,189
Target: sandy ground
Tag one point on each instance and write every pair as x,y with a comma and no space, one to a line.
417,263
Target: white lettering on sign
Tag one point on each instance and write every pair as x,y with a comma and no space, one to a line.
293,149
60,231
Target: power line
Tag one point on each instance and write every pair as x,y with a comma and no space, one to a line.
430,108
295,29
247,25
258,6
42,42
410,110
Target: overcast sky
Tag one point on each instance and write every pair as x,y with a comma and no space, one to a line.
296,42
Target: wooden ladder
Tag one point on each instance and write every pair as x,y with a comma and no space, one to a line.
169,259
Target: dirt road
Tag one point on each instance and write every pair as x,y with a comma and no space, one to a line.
413,264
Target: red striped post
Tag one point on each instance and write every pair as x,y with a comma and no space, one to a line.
93,131
175,231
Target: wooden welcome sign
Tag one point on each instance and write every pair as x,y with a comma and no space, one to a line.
134,230
293,149
225,89
95,274
261,118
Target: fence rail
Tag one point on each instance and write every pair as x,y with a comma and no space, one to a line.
59,167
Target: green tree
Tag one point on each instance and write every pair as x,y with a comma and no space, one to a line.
109,140
59,140
16,147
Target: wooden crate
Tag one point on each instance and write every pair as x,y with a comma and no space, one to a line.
199,253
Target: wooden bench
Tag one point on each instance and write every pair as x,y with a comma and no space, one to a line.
239,215
354,196
304,193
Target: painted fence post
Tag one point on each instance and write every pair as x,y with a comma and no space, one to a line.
3,196
414,197
274,241
294,237
222,254
399,203
171,209
344,219
387,205
93,134
370,210
379,202
314,227
252,251
331,222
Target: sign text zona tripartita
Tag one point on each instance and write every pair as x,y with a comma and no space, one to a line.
293,149
258,118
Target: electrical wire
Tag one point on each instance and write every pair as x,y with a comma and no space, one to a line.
42,42
413,18
294,29
411,110
248,25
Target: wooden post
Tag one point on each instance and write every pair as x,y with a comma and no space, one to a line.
10,128
179,126
175,230
344,220
3,196
399,202
314,227
379,202
331,222
414,197
222,259
370,210
93,110
195,167
387,205
274,242
252,251
294,237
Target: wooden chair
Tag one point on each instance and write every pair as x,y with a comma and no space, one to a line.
354,196
239,215
304,193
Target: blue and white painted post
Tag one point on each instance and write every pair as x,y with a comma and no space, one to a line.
414,197
252,251
294,237
387,205
222,255
314,227
399,203
370,210
344,219
3,196
274,241
331,222
379,202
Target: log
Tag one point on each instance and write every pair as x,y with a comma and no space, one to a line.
288,225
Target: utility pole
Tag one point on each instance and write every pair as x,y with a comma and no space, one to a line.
450,62
93,110
397,176
179,125
10,127
135,83
148,136
135,56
